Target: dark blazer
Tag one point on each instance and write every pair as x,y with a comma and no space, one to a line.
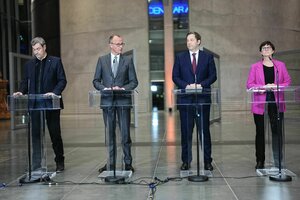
54,77
183,74
125,77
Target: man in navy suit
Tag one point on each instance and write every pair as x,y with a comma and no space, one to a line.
44,74
194,69
115,77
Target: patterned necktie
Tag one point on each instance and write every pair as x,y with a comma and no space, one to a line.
115,66
194,63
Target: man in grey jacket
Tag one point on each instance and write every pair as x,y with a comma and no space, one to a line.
115,75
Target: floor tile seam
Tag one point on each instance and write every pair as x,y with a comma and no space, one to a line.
157,162
8,159
225,179
83,179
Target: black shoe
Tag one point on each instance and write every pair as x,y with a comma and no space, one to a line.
129,168
208,166
102,169
259,165
185,166
60,166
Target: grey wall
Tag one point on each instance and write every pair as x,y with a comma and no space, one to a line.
234,29
85,29
231,28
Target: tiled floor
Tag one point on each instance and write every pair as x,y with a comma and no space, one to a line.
156,153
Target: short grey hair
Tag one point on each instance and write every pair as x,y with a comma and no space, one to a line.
112,36
38,40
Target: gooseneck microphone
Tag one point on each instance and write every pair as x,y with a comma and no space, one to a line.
280,176
276,73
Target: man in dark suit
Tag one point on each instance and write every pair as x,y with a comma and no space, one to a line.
115,77
194,69
44,74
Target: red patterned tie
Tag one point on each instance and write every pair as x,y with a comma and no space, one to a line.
194,63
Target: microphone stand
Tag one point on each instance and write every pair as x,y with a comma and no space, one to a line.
280,177
198,177
22,180
29,135
28,178
114,178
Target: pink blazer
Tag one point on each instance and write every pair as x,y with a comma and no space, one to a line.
256,79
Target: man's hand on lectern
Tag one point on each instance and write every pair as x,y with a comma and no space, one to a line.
17,94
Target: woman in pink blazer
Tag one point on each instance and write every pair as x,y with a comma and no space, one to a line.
264,76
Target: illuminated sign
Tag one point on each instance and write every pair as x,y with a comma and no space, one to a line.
157,9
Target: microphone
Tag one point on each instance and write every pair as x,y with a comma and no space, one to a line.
278,117
195,86
28,86
277,84
276,68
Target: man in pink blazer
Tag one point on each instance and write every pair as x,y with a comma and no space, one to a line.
263,78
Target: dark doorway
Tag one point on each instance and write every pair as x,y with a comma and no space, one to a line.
157,90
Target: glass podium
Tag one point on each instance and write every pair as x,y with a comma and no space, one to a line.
275,159
35,105
116,107
199,102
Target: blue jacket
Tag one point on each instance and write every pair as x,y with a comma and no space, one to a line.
183,74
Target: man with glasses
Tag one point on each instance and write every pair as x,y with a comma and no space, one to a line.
116,73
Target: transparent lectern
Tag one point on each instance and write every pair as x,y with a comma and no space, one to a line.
198,102
35,105
275,166
116,106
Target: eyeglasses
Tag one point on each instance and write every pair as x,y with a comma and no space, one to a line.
266,48
118,44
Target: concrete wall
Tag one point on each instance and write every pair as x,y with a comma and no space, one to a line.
85,29
231,28
234,29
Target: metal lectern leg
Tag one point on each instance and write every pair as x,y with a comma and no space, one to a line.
198,177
